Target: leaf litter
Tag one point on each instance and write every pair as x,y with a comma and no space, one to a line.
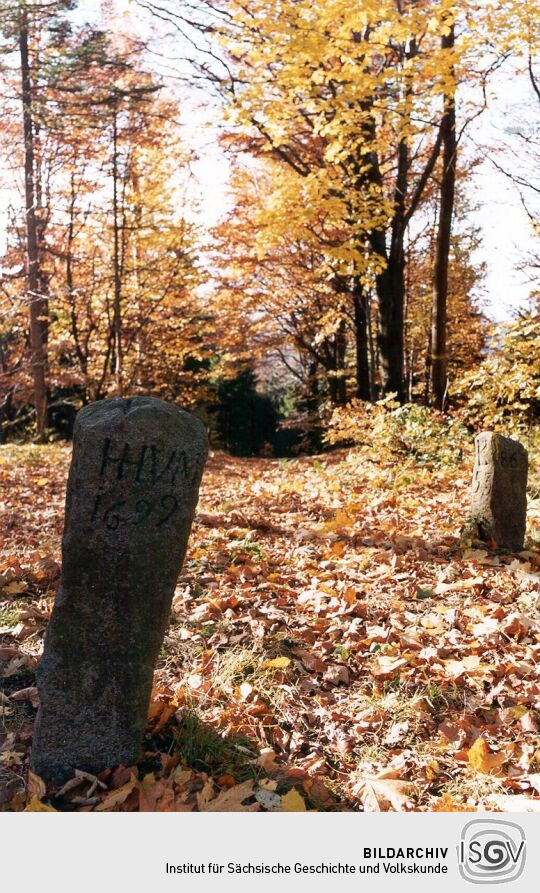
334,645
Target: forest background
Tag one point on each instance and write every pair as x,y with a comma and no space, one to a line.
343,266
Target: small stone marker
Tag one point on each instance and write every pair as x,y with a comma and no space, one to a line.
131,496
499,491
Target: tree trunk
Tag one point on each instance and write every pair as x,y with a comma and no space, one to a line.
439,373
390,283
391,292
392,300
37,306
82,355
333,352
117,311
361,312
372,351
340,352
427,367
41,226
312,406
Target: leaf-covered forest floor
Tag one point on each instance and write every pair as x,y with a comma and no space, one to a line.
337,642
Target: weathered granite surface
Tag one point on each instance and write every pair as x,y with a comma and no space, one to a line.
499,490
131,496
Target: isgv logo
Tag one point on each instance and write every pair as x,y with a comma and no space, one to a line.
491,851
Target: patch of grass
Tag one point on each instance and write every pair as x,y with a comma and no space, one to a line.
281,644
241,664
35,454
248,547
371,754
476,788
421,707
9,612
400,699
441,699
204,748
237,665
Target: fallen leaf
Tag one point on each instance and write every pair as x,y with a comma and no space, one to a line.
447,803
27,694
528,722
458,585
22,631
481,759
336,674
231,800
292,801
267,759
245,691
15,588
117,797
377,794
36,786
311,661
397,732
36,805
10,758
386,666
278,663
205,795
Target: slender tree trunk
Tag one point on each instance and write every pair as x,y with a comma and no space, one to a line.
427,367
361,312
35,302
312,406
333,353
390,282
41,225
372,351
391,292
117,306
136,377
70,283
340,352
392,307
439,373
312,391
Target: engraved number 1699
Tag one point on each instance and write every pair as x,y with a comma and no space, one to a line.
162,510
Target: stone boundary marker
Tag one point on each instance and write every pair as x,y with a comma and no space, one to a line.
499,491
131,496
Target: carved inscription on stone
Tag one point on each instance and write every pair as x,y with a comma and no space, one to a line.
132,491
144,468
